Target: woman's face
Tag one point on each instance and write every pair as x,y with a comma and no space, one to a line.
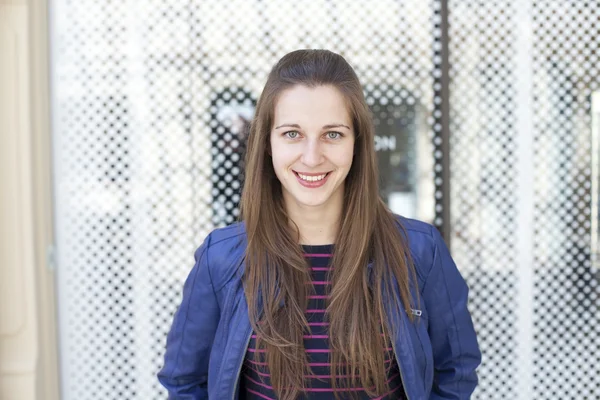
312,145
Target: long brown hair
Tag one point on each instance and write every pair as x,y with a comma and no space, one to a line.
276,277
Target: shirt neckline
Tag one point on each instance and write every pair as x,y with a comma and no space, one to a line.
317,248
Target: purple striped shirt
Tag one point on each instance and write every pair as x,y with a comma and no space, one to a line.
255,379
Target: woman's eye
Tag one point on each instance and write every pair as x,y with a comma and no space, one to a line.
333,135
291,134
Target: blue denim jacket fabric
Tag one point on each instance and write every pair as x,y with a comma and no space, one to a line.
437,352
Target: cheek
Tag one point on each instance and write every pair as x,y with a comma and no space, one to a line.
280,164
274,153
344,158
282,156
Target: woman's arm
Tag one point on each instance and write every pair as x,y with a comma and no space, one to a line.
456,353
185,372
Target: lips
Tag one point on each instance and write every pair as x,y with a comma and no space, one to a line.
312,180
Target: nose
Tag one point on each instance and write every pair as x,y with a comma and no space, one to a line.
312,153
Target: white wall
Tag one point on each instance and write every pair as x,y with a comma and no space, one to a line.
28,351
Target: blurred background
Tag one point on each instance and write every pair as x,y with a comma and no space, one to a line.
123,125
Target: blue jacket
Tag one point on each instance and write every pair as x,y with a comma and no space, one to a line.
437,353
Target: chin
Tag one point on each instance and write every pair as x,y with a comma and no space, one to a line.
310,202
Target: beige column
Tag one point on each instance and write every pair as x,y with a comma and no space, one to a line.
28,339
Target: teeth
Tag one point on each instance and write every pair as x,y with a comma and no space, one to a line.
312,178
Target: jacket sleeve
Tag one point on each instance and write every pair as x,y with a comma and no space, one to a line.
189,342
456,353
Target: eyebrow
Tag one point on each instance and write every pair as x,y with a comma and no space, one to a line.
328,126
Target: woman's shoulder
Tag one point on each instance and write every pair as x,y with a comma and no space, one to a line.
415,226
228,235
424,240
419,232
225,248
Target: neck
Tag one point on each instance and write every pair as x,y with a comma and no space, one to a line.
317,225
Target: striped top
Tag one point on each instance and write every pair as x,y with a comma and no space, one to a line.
254,380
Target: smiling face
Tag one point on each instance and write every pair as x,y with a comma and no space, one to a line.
312,146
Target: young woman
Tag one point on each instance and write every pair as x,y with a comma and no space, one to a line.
320,292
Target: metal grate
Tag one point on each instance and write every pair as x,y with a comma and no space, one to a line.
521,80
566,324
483,187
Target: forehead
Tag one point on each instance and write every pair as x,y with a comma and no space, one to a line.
311,105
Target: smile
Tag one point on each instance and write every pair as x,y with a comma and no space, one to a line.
313,180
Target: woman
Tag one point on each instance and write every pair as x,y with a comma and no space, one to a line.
320,292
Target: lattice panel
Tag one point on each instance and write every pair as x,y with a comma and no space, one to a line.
490,79
567,325
483,187
152,104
